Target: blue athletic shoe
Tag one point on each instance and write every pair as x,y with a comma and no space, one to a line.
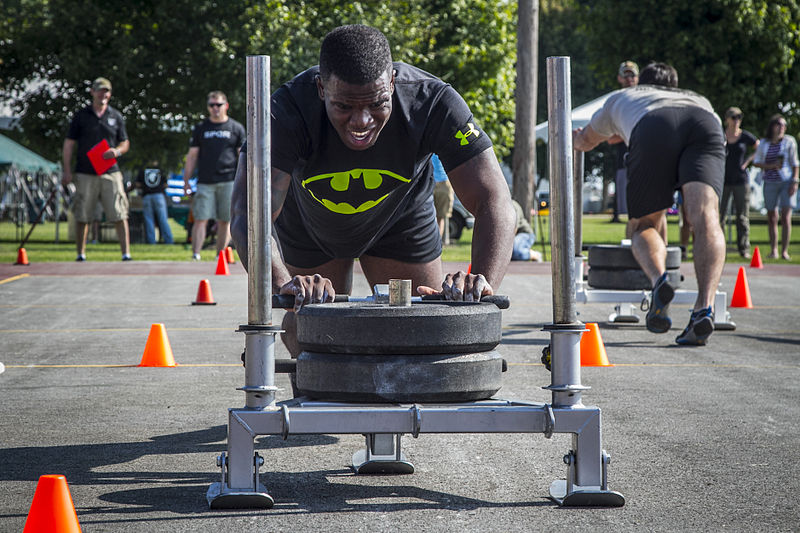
700,328
657,319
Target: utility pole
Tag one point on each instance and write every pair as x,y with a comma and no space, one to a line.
524,163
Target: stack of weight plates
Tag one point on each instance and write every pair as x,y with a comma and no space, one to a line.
426,352
614,267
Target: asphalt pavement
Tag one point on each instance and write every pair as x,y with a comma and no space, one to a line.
701,439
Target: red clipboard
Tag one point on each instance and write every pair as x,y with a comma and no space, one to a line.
96,157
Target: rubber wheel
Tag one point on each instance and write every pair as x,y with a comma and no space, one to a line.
616,256
628,279
422,328
399,378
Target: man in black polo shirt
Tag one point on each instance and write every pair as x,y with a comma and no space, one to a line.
352,178
214,147
91,126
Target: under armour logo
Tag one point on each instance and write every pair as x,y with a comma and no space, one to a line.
464,136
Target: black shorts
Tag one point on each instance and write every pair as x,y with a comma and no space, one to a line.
669,147
413,238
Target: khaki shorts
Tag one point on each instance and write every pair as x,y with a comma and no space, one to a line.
213,200
443,198
108,189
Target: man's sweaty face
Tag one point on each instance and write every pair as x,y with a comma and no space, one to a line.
358,112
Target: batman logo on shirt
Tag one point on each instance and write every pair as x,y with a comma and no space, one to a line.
353,191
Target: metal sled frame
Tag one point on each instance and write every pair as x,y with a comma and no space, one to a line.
585,483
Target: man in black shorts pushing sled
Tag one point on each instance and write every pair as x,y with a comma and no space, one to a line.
675,142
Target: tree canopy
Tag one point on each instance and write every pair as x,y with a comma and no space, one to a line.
735,52
164,57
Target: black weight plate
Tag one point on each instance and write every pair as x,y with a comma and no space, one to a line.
399,378
615,256
631,279
422,328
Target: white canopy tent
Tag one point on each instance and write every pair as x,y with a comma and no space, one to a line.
580,116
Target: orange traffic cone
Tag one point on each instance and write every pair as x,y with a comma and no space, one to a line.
741,292
593,352
22,257
157,351
52,508
756,262
222,264
204,296
229,255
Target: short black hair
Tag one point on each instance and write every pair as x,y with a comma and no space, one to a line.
355,54
659,74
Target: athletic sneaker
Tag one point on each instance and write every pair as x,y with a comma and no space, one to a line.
81,258
195,257
700,328
657,319
127,257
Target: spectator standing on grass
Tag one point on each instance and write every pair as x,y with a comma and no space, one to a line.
525,238
152,184
90,126
737,186
443,196
627,76
776,156
213,150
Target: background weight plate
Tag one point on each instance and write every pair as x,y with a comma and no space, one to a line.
616,256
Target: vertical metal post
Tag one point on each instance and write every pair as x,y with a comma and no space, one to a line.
259,258
566,331
240,486
57,184
577,196
260,335
559,131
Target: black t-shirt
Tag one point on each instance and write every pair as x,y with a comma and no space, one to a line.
152,180
219,143
88,130
736,153
348,199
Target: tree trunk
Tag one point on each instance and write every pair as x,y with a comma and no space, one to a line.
524,163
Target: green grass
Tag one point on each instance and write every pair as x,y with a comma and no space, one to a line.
597,229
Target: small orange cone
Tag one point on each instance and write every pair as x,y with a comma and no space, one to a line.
741,292
229,255
593,352
222,265
204,296
157,351
469,269
52,508
22,257
756,262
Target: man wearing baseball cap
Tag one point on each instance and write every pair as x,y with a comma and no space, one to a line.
628,74
98,131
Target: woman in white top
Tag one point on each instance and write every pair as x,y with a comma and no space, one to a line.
776,156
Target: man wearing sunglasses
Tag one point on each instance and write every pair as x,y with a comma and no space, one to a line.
213,150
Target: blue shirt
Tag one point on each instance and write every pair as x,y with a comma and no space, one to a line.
439,174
